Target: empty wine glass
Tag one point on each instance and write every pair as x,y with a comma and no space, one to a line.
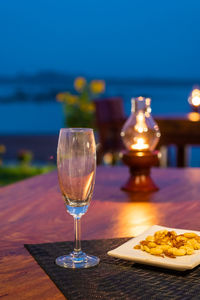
76,162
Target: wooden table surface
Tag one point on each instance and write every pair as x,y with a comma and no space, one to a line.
32,211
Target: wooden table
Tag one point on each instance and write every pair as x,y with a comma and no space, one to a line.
180,131
32,211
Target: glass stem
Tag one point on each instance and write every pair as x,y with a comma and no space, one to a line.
77,232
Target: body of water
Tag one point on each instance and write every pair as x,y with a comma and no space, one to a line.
46,117
30,116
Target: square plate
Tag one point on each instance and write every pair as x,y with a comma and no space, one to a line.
180,263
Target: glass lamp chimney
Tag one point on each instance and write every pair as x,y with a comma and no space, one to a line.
140,132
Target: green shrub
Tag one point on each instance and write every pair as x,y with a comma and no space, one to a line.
11,174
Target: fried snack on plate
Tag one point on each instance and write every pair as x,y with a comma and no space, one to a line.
169,243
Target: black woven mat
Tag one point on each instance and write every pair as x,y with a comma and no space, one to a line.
114,278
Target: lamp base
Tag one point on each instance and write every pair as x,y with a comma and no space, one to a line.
140,163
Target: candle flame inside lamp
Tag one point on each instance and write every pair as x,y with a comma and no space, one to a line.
140,145
140,135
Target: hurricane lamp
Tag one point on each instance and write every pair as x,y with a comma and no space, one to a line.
140,135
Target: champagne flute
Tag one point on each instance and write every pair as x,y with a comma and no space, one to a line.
76,162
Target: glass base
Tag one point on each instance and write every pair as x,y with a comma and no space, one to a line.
77,260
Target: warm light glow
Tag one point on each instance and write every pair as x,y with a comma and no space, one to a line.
108,158
194,116
194,98
89,178
140,145
140,126
195,92
148,101
139,154
140,98
136,217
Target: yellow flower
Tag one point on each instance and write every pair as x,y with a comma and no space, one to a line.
66,97
60,97
79,83
97,86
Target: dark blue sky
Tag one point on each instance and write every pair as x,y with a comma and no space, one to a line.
127,38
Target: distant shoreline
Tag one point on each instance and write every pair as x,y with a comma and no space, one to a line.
67,79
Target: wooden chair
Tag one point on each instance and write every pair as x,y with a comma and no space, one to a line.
110,118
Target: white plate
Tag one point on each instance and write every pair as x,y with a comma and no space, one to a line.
180,263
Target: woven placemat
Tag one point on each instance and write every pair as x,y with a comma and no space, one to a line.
113,278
